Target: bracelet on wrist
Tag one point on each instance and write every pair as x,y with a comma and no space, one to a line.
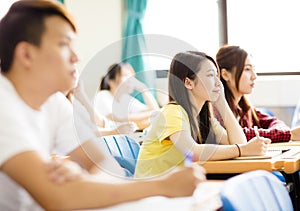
239,149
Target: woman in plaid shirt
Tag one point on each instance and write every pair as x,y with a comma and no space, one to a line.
238,77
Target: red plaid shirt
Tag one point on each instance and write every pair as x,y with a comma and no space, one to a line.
270,127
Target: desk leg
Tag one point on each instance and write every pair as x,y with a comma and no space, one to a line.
295,190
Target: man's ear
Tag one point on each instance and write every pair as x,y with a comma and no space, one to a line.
24,53
226,75
188,83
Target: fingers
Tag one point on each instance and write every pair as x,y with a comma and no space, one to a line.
263,140
198,172
182,181
267,141
61,171
55,170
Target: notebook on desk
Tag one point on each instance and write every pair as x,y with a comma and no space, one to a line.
269,154
290,143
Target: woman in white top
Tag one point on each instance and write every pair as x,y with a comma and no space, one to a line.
102,125
115,102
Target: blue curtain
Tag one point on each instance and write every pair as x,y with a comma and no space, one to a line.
62,1
134,45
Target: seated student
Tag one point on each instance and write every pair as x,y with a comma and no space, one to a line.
238,77
84,109
87,130
115,102
38,62
185,125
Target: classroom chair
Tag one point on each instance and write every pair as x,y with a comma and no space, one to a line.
124,149
255,190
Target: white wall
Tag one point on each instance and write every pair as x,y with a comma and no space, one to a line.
278,93
100,26
100,23
283,91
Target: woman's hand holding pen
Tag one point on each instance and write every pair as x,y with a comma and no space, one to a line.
256,146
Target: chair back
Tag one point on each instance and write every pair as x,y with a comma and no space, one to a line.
124,149
256,190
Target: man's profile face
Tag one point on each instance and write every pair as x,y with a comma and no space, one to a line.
54,60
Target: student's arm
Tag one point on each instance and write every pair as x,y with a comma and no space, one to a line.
61,169
272,128
28,170
145,91
94,157
123,128
185,143
81,96
234,133
81,142
141,119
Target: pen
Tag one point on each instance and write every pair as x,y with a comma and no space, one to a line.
188,159
256,131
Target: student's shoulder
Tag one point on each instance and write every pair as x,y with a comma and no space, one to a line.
58,98
173,108
6,88
103,94
9,97
57,103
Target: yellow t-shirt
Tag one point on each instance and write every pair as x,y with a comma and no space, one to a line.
157,153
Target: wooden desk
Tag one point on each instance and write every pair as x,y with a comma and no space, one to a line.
288,163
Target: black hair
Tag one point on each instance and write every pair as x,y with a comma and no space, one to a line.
24,21
186,65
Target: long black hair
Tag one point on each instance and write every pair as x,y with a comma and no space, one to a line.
186,65
113,71
232,58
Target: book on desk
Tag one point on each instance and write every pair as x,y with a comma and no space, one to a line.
269,154
274,150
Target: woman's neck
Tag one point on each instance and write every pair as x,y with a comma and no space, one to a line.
112,90
197,104
236,98
117,93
